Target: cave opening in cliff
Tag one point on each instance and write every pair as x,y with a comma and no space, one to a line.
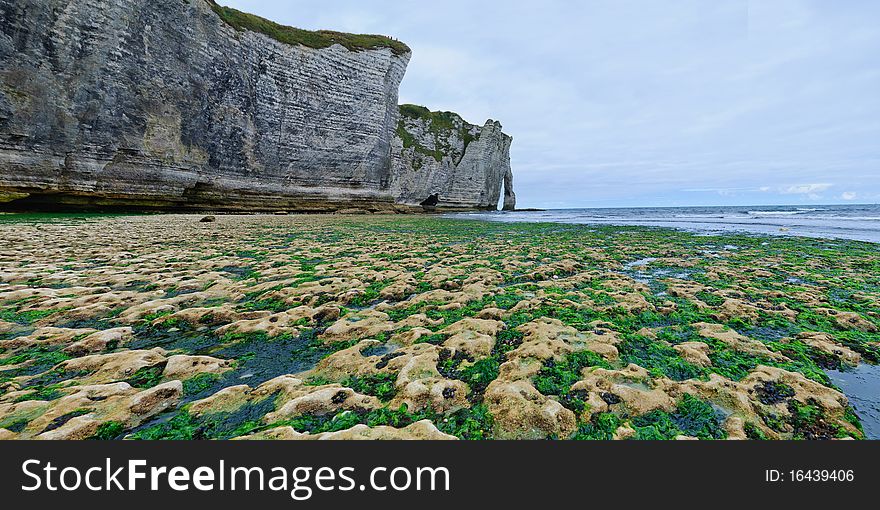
430,203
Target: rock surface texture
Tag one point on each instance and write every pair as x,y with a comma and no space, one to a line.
315,327
442,161
165,104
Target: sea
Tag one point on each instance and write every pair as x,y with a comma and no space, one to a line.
856,222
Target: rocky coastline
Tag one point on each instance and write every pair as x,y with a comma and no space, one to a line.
418,327
188,105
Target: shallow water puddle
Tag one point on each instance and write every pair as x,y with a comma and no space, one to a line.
640,263
636,386
862,387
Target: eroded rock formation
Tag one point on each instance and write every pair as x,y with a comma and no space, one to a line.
442,161
184,105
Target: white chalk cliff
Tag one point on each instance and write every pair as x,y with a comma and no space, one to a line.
183,104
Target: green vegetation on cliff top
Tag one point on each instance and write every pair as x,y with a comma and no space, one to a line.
440,125
312,39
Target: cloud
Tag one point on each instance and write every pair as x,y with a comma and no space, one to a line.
725,192
806,189
849,195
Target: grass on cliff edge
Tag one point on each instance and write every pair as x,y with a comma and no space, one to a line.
312,39
440,124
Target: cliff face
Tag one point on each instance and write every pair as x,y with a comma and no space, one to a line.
159,102
442,161
175,104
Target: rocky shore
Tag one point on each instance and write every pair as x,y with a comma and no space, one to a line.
332,327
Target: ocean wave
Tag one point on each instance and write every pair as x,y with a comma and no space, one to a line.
857,218
775,213
797,212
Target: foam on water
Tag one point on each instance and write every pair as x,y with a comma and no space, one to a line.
856,222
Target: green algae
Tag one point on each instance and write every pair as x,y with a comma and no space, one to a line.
557,378
108,430
475,423
693,417
842,275
380,386
601,427
658,359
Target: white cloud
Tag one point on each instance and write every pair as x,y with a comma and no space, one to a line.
806,189
727,192
849,195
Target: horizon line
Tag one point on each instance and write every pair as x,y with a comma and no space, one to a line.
804,206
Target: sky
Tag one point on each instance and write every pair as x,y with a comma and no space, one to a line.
624,103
